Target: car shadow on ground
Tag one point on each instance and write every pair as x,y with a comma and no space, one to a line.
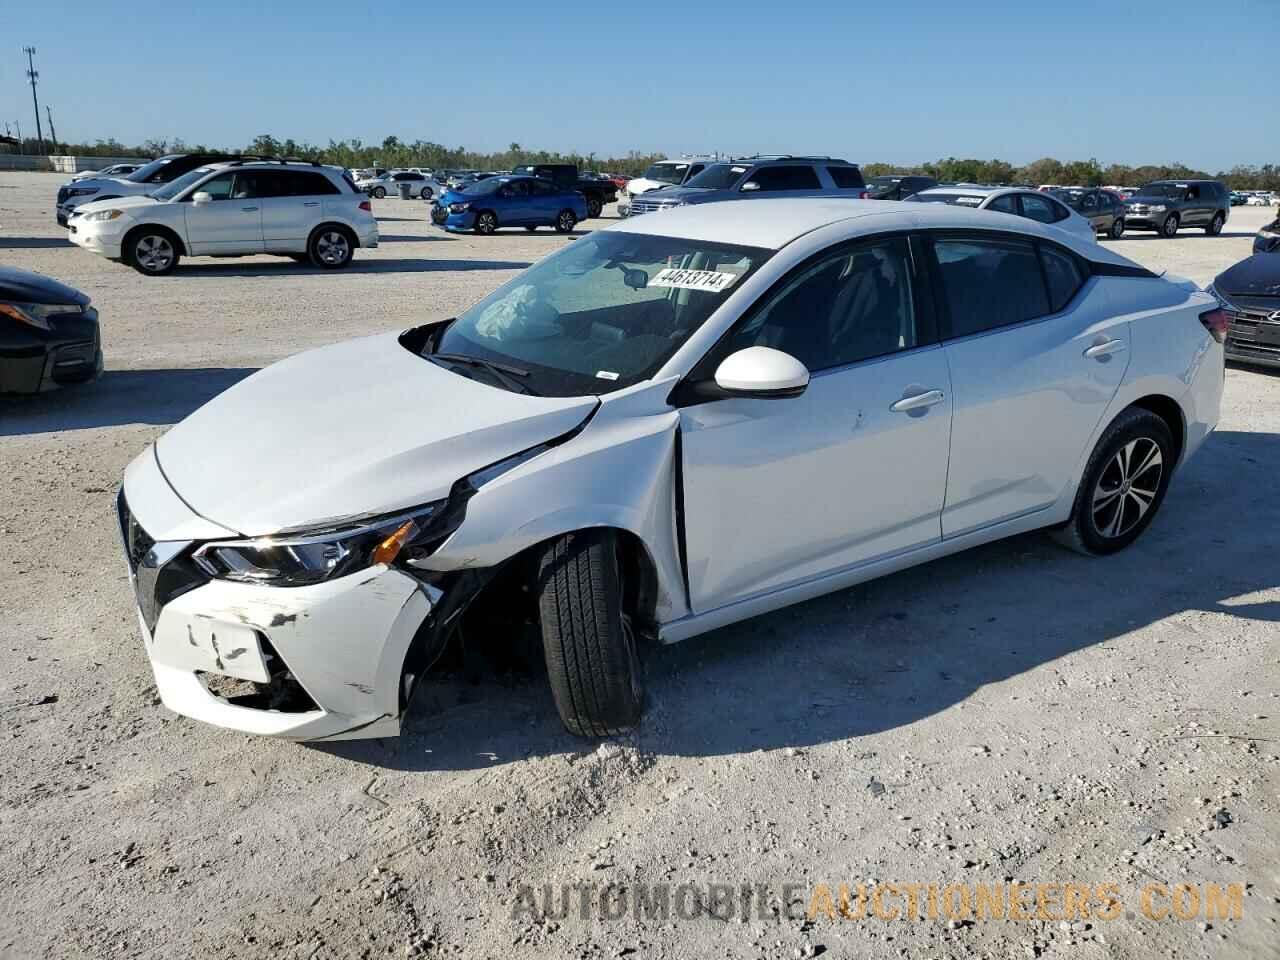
410,238
217,271
33,243
1188,233
158,397
894,651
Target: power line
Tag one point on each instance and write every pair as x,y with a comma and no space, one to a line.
34,75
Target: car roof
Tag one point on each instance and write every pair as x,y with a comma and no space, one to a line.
773,223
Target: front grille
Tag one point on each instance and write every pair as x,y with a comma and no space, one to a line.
640,205
1253,335
162,570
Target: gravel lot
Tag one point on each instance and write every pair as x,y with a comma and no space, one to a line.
1013,712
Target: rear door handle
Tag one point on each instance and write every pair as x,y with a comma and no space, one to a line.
248,209
918,401
312,203
1101,350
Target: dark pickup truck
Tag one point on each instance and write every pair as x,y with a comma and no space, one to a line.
597,192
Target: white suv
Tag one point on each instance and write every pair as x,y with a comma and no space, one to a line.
305,211
421,186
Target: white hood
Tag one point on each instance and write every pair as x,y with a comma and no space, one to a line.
357,428
641,185
119,203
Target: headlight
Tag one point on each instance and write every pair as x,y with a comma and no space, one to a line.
82,191
296,561
459,207
37,314
99,215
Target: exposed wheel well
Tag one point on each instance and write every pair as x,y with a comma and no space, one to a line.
334,225
152,228
1167,409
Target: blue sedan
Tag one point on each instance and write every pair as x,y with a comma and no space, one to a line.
514,201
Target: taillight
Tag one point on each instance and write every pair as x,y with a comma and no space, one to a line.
1217,323
366,206
862,194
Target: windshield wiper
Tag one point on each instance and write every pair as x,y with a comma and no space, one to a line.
504,372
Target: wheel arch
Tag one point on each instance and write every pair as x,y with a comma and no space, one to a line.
338,225
180,244
1168,410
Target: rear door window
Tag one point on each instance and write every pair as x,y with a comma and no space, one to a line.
846,177
970,269
1005,204
795,177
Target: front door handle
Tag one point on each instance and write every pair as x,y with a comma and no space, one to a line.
918,401
1100,351
248,209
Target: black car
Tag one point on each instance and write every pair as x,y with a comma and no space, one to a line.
1250,294
597,192
1268,238
1102,208
1166,205
897,187
48,334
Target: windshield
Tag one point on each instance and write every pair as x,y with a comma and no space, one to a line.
1173,190
176,186
145,172
603,313
719,176
955,199
666,172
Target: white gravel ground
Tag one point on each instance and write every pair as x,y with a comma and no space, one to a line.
1017,712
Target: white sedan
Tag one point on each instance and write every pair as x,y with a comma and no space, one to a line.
421,186
1019,202
664,427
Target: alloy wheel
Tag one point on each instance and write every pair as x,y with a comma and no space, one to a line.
153,253
332,247
567,221
1127,488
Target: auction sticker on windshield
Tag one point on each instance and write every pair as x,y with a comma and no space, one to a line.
710,280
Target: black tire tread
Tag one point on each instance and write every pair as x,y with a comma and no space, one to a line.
1071,534
586,657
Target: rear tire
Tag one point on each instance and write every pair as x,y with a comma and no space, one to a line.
379,193
587,637
1215,225
1122,487
1170,226
331,247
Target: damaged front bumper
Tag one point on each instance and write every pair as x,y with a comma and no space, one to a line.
329,661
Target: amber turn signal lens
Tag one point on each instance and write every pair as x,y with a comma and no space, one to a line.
390,548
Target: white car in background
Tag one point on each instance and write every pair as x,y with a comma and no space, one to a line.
150,176
305,211
115,170
1031,204
1259,200
664,173
421,186
664,427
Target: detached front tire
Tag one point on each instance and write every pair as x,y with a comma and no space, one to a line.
587,636
1123,485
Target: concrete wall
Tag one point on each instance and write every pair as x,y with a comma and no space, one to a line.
13,161
76,164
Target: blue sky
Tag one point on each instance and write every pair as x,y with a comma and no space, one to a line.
1129,82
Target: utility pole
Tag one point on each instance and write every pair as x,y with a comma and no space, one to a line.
53,134
34,75
21,147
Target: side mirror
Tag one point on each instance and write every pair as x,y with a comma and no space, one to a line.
200,198
762,372
749,187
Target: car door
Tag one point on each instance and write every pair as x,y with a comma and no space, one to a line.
515,204
545,201
1035,356
1193,207
1091,209
778,491
231,221
292,206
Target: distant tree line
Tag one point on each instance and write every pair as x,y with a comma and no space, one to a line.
393,152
